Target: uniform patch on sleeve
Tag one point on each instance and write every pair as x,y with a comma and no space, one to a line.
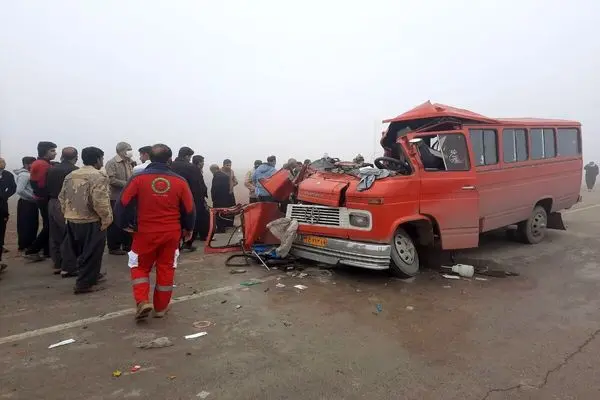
133,259
176,258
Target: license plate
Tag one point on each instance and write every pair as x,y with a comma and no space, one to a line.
315,241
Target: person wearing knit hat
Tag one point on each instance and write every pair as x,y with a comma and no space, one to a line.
37,178
119,170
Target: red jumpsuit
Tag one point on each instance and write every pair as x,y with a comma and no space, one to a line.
157,204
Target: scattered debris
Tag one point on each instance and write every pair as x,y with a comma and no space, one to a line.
446,286
195,335
463,270
302,275
301,287
136,368
325,272
266,290
203,394
201,324
410,308
237,271
358,290
477,278
156,343
116,373
379,308
171,377
287,324
280,285
63,343
289,268
238,307
250,283
451,276
223,301
188,354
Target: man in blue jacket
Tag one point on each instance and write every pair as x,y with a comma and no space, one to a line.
262,172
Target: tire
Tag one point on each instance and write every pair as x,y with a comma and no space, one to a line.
405,258
533,230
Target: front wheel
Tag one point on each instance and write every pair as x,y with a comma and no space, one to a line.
533,230
405,258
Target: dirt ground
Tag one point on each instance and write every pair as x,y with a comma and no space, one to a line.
351,334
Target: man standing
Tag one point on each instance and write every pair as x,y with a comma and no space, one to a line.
61,254
193,175
144,158
85,203
249,184
27,209
8,187
264,171
157,205
591,172
39,170
119,170
219,192
202,215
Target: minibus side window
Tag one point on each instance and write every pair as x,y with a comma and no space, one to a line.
514,143
485,146
568,142
446,152
542,143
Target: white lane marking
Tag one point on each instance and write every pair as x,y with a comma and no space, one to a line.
114,314
581,209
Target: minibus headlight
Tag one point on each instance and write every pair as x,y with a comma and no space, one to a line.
360,220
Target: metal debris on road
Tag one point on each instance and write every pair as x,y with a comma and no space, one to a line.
480,279
117,373
300,287
203,394
63,343
237,271
302,275
238,307
156,343
410,308
201,324
136,368
451,276
287,324
379,308
195,335
280,285
250,283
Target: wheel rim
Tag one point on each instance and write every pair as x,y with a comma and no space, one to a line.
405,249
538,224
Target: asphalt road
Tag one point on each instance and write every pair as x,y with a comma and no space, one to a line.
534,336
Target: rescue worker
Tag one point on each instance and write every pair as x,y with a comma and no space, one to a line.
119,170
61,254
85,203
591,172
158,206
37,178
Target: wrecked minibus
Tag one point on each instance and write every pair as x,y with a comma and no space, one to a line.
447,175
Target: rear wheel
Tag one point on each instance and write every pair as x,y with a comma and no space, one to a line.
533,230
405,258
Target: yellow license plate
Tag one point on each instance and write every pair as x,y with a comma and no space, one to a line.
315,241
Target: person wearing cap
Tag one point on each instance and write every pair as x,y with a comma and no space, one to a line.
37,178
249,184
144,159
119,170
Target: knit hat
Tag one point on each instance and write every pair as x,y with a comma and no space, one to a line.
123,146
43,148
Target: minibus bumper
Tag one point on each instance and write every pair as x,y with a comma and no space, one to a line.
339,251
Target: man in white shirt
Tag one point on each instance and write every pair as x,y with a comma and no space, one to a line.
144,158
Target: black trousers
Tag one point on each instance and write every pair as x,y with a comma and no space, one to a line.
27,223
41,241
60,252
117,238
87,243
3,223
202,222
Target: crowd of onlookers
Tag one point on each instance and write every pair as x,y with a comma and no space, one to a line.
44,195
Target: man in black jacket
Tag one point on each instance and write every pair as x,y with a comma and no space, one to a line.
8,187
202,215
183,167
61,254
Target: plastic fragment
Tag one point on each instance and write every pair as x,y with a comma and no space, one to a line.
280,285
450,276
195,335
203,394
136,368
116,373
250,283
63,343
301,287
410,308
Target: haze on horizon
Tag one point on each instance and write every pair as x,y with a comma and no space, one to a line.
243,80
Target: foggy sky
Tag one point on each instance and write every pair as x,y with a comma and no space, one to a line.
245,79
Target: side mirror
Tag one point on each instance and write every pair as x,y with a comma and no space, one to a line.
415,140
